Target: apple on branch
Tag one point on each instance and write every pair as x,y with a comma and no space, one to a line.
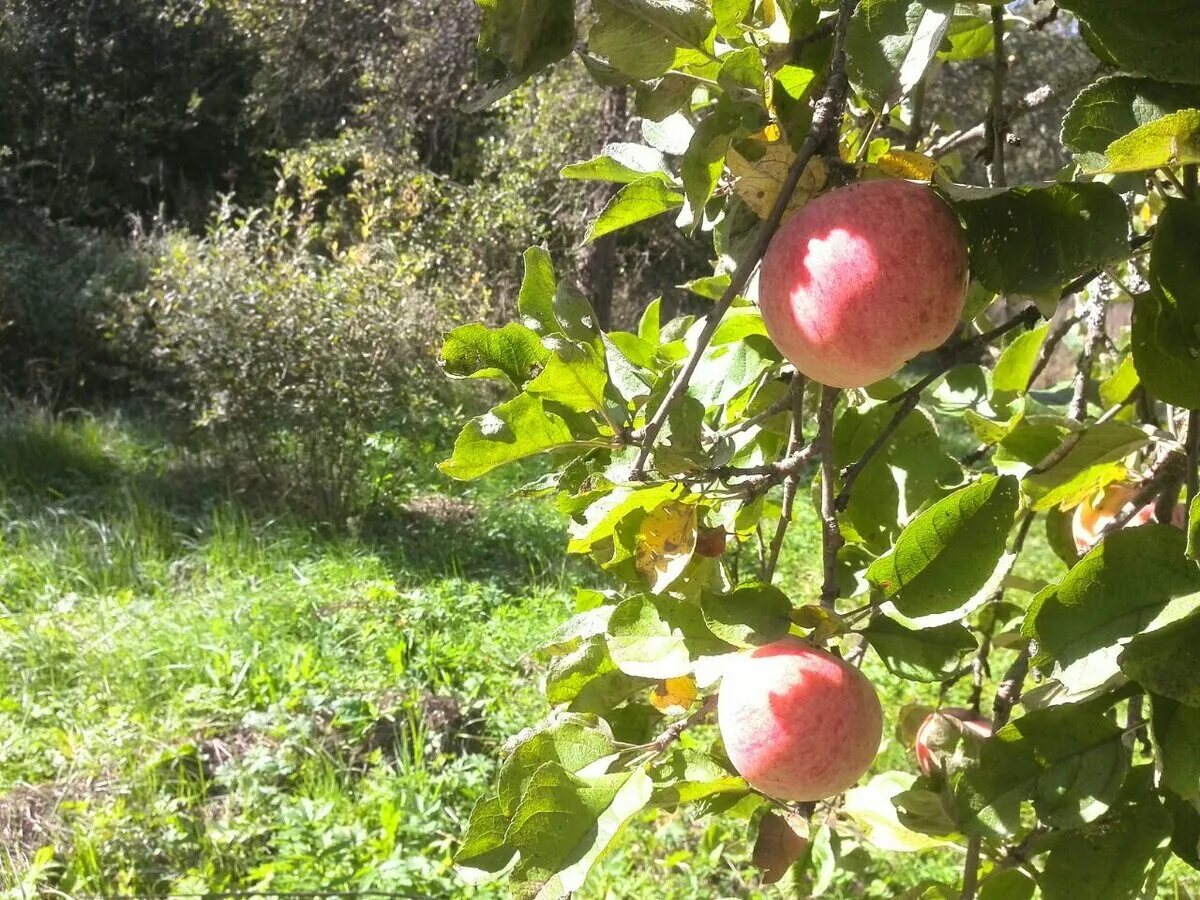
863,279
798,723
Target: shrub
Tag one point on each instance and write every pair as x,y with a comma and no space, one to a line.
286,352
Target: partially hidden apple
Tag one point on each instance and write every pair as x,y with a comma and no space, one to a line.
1091,516
942,732
862,279
710,542
798,723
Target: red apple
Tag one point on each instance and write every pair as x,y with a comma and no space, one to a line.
862,279
1091,516
941,733
798,723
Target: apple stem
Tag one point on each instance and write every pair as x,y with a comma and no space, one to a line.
826,116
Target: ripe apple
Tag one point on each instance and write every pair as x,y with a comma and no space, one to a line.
1092,516
710,542
862,279
798,723
941,732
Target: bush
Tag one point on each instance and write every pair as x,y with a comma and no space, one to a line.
286,352
58,285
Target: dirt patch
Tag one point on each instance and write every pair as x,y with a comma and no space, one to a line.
449,727
31,815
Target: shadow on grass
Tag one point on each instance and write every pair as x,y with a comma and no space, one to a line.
114,473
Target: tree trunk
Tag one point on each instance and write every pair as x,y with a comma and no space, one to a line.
598,259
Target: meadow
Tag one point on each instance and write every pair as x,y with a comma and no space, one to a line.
202,692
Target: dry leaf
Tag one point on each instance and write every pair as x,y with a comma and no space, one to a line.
781,841
665,543
906,164
674,696
759,183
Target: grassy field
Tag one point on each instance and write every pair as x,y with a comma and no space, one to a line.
199,692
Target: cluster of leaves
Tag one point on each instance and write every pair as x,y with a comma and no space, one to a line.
662,436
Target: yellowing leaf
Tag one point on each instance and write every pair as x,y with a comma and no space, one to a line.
906,164
674,695
665,542
759,183
870,806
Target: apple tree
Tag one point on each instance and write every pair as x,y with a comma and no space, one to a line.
914,400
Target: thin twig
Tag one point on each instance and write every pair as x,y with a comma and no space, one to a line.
1009,691
795,439
906,401
831,535
1193,454
781,405
826,116
997,128
971,869
1167,469
672,732
1053,339
1045,20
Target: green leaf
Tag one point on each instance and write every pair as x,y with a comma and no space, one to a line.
1169,375
483,853
642,38
602,517
1165,661
1113,107
907,473
1007,884
1033,240
621,163
1176,730
535,301
1166,322
637,201
1091,463
704,161
1113,593
948,552
476,351
891,43
927,654
1118,386
518,38
970,37
688,776
657,637
731,13
1011,375
514,430
1108,859
872,808
1160,38
565,823
571,744
575,375
1068,761
1173,140
751,615
588,681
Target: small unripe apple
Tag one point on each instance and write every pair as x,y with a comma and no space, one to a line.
941,733
710,542
798,723
1090,517
862,279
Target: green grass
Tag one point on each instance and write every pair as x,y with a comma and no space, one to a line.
201,692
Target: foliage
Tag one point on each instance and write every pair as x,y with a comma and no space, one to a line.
698,422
